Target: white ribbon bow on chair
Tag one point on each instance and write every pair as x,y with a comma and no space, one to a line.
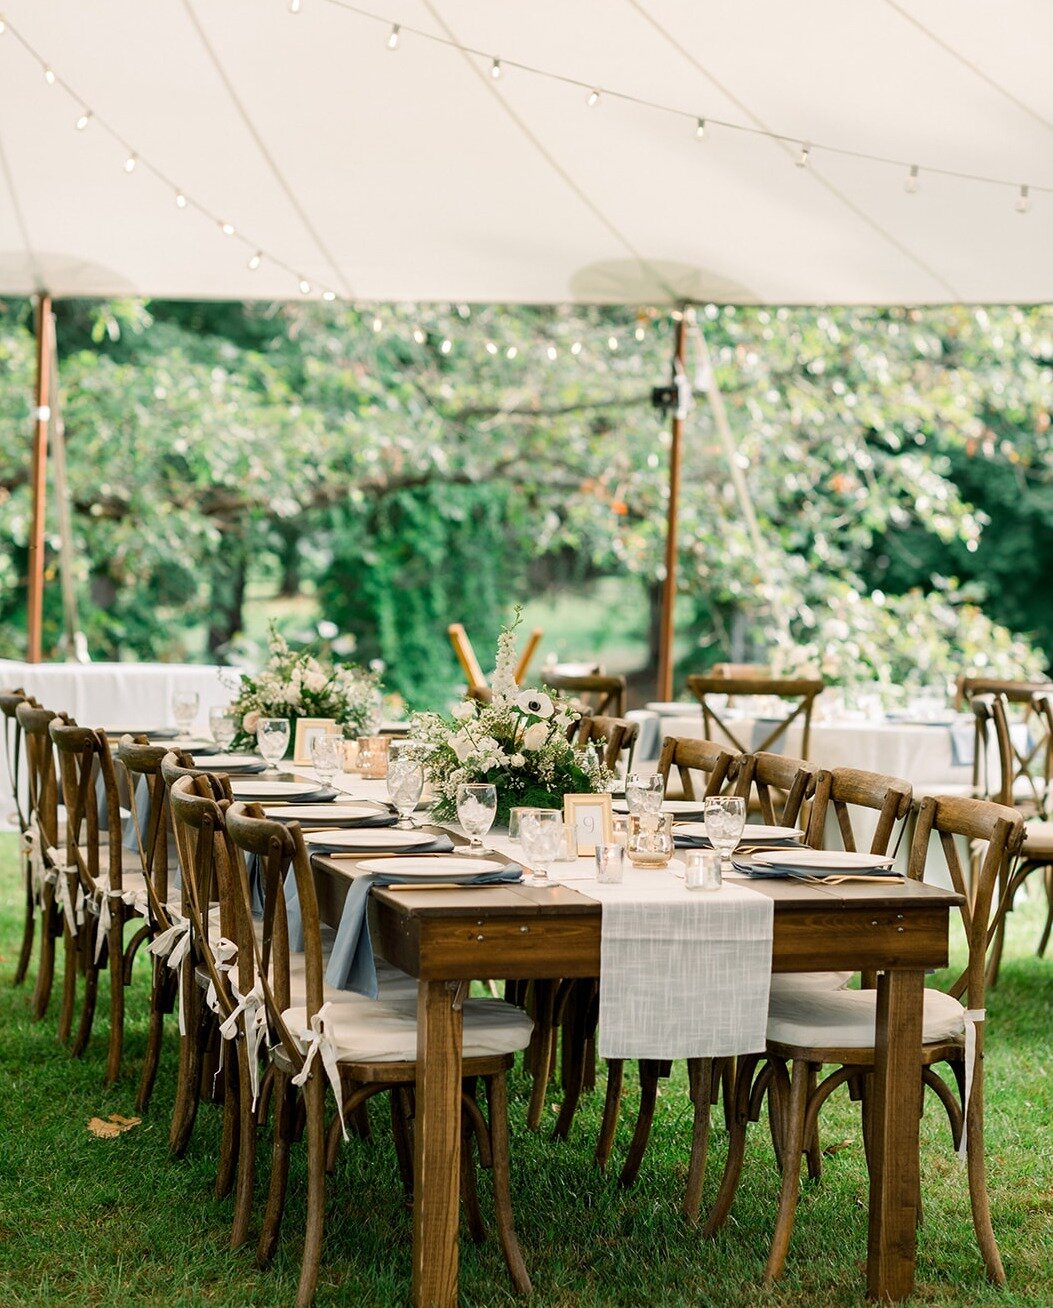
317,1041
58,875
101,906
173,945
224,952
252,1008
973,1016
32,848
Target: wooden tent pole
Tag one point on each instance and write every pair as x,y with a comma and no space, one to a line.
38,482
666,630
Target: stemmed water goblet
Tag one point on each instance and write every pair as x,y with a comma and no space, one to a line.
476,810
405,783
725,817
272,740
327,757
644,792
184,709
223,727
542,838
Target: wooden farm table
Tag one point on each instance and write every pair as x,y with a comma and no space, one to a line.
449,937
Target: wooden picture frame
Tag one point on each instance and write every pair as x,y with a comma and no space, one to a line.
589,818
306,730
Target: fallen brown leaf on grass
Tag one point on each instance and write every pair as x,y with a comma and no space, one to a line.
115,1125
832,1149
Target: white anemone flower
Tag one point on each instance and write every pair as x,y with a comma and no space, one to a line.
535,702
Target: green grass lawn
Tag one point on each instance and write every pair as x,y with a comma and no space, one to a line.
89,1221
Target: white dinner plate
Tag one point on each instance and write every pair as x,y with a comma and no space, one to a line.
337,814
822,861
751,835
249,789
431,865
190,746
227,762
673,806
367,838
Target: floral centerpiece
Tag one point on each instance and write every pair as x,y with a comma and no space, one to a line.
295,684
518,743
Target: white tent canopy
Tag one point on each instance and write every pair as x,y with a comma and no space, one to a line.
413,173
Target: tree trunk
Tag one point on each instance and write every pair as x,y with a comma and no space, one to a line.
228,595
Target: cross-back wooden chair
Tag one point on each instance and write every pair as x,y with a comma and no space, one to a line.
1016,692
601,694
107,895
816,1027
358,1048
614,738
159,865
14,738
776,786
716,764
470,665
1023,766
742,671
43,822
798,693
1036,853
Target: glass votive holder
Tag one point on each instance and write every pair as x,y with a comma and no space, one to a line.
702,870
610,864
650,842
373,757
350,755
620,829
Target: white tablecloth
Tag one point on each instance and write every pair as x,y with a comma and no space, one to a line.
118,696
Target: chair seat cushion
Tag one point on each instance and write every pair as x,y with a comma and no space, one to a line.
789,983
1038,840
845,1019
380,1031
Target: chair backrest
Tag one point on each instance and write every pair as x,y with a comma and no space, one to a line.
615,737
717,764
1023,766
776,786
142,762
462,647
956,819
41,774
742,671
798,695
481,694
277,849
1016,692
13,748
849,789
85,762
601,694
173,766
1042,701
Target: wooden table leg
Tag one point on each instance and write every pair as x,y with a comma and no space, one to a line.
437,1145
894,1158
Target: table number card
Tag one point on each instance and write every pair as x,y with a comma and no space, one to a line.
588,821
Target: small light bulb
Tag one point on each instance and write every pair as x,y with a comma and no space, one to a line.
227,229
1023,200
700,129
446,347
305,286
639,333
130,162
393,39
294,6
418,336
612,342
329,295
49,77
802,158
83,120
491,348
911,184
378,325
552,352
511,352
255,261
3,27
576,348
180,200
593,98
495,69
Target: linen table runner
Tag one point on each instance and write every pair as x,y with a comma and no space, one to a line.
683,973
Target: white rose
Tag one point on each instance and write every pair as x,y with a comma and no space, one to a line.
250,721
314,682
464,711
535,736
517,761
462,745
535,702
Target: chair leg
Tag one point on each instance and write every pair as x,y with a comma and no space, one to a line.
230,1139
191,1055
793,1149
469,1190
314,1096
1048,882
46,970
701,1073
29,928
400,1119
977,1169
247,1131
575,1041
611,1106
812,1149
283,1096
545,1037
91,996
70,963
650,1071
154,1039
740,1116
497,1095
116,1047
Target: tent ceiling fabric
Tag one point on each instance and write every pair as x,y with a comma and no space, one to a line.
414,175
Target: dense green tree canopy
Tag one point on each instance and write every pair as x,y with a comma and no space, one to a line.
419,464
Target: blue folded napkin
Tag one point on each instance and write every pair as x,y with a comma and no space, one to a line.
352,965
440,845
691,842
